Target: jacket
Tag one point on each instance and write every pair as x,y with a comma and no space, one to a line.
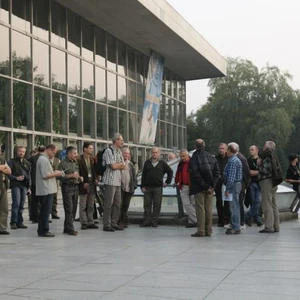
245,169
3,183
19,168
204,171
83,171
132,183
179,177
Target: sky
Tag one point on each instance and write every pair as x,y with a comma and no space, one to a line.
263,31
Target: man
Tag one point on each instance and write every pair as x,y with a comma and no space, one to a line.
205,173
151,185
254,189
171,156
223,208
46,187
4,171
114,162
182,180
233,176
269,176
87,188
20,183
34,211
128,185
69,188
31,154
55,163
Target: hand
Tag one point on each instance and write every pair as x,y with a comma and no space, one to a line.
80,179
58,173
29,192
122,166
210,190
143,189
174,185
227,194
258,161
164,185
86,185
20,178
75,175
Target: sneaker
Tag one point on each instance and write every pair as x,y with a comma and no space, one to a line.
56,217
13,226
266,231
228,226
231,231
116,227
190,225
47,234
4,232
249,223
22,226
92,226
108,228
243,227
73,232
197,234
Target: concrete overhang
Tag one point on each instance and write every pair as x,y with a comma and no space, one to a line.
154,25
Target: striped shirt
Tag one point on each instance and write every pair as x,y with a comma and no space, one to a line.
232,172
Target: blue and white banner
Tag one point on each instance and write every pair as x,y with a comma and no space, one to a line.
152,99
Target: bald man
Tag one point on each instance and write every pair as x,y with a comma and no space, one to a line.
152,183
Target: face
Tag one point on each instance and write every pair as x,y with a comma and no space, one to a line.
184,156
21,152
171,156
51,153
126,155
222,149
155,153
253,151
89,150
294,162
229,153
119,142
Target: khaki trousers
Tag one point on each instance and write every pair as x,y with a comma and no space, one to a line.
268,204
3,209
86,206
112,202
204,213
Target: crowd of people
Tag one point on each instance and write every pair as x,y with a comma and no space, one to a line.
233,179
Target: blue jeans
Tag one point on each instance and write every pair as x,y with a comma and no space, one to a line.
45,211
235,205
255,195
18,195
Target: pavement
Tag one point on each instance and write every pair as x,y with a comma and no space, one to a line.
150,264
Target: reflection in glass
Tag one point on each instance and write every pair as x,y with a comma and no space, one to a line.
41,109
58,34
40,63
123,124
112,121
140,68
122,92
4,101
111,52
4,11
169,136
100,47
100,85
131,63
21,56
59,113
74,117
88,118
111,89
131,96
21,14
162,108
168,110
4,51
175,91
87,40
180,114
21,105
73,32
41,19
133,128
163,134
140,93
181,91
58,68
88,89
175,136
174,112
101,121
74,75
121,58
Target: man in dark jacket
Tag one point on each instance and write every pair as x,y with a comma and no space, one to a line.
204,174
152,183
20,183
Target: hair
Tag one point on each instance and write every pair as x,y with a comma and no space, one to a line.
21,147
155,148
70,149
50,147
270,145
126,149
234,146
32,152
293,156
183,151
116,136
254,147
223,144
199,144
86,145
41,148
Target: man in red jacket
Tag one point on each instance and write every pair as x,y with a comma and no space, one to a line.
182,179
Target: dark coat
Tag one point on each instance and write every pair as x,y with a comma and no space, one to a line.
246,170
83,171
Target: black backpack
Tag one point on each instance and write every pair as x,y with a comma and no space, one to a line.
99,168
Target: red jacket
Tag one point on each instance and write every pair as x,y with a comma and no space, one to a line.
182,176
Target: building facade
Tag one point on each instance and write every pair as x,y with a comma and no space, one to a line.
65,80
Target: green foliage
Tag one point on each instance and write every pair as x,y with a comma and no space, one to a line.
248,106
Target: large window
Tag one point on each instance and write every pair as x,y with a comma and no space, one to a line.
74,36
111,52
111,89
59,113
74,75
122,58
58,34
21,14
4,102
88,89
122,92
100,47
40,63
41,109
101,118
4,51
41,19
4,11
58,67
87,40
74,115
88,118
112,121
100,85
123,124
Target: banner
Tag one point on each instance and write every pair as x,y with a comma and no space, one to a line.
152,99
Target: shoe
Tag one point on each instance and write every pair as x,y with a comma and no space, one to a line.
73,232
116,227
154,225
4,232
55,217
197,234
50,221
77,220
259,224
208,234
84,227
125,226
110,229
96,221
231,231
228,226
22,226
13,226
220,225
145,225
34,222
242,227
249,223
92,226
276,229
190,225
266,231
47,234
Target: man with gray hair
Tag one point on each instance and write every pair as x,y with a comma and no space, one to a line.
114,163
269,176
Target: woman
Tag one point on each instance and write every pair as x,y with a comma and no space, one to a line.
293,173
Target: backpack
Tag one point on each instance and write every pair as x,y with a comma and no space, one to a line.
99,168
